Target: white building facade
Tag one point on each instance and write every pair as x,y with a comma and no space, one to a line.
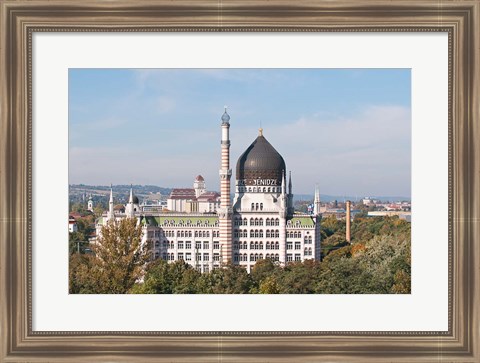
259,224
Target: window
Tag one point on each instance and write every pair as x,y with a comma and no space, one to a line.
256,245
206,257
205,268
260,222
260,256
216,257
289,245
267,246
198,257
206,245
298,257
260,233
256,233
216,245
180,255
252,256
188,245
260,245
277,234
235,257
157,244
267,233
251,233
277,257
188,256
251,245
277,222
298,245
267,221
277,246
253,206
180,245
198,245
261,206
289,257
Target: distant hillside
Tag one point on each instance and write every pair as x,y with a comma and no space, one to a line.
121,193
341,198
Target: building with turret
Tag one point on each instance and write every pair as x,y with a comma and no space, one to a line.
260,222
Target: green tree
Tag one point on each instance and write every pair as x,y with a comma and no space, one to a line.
119,259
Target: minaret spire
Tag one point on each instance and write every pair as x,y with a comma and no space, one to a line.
129,209
316,203
225,210
110,204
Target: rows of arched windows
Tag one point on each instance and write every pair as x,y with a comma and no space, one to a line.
184,233
272,222
256,245
307,240
294,234
239,233
307,251
256,233
274,233
202,233
257,206
255,257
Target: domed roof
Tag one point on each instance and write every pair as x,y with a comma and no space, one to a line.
261,161
199,178
225,116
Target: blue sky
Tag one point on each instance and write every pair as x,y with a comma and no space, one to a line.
347,130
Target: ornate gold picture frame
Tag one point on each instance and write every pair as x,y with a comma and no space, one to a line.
19,20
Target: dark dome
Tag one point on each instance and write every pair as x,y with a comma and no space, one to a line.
135,199
261,161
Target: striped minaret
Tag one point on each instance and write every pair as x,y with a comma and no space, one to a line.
225,210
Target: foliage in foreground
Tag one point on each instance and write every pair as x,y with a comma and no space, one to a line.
118,261
377,262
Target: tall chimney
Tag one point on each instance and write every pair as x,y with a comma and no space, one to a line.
348,221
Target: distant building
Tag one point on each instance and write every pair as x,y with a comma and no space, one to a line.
195,199
401,214
72,224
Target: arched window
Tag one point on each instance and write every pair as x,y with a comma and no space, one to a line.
253,206
277,257
267,256
256,245
267,245
277,246
244,221
261,206
256,206
260,222
256,233
267,233
267,222
277,222
252,222
251,245
277,234
252,256
260,233
256,256
260,245
251,233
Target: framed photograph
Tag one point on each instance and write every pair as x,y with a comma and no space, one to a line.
102,104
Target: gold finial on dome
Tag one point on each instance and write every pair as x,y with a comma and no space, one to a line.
260,132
